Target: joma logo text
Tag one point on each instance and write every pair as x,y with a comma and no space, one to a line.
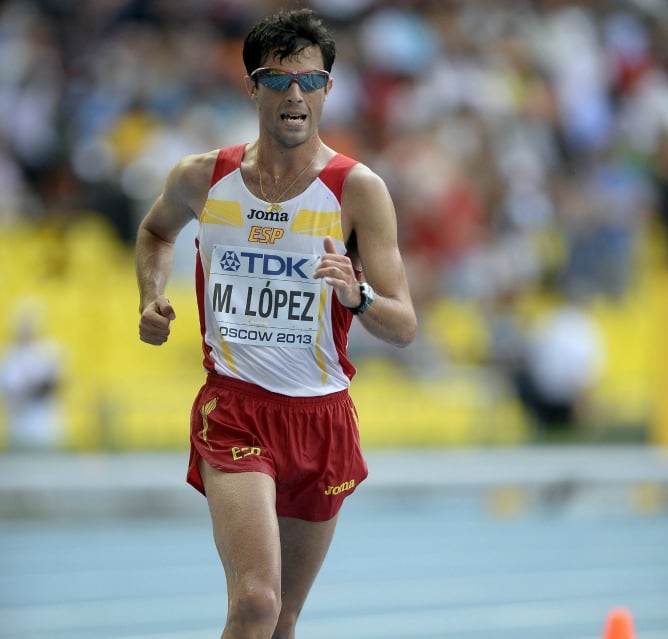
269,216
335,490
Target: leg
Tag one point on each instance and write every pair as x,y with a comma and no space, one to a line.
304,545
246,533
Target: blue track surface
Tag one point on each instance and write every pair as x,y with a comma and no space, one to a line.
405,564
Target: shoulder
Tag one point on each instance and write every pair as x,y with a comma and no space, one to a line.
194,170
362,184
361,173
190,178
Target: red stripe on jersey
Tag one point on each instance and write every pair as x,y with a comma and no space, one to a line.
335,173
228,160
199,289
342,318
333,176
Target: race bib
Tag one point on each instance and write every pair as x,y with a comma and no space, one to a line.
265,298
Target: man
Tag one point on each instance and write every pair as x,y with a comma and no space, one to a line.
294,240
31,376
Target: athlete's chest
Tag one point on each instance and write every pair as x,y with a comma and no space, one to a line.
232,213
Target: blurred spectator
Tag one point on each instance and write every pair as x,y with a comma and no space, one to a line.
579,75
31,376
603,217
13,188
660,183
31,85
562,360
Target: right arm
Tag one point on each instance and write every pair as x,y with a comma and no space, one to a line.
183,197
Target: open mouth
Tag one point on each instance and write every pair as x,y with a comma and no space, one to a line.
289,117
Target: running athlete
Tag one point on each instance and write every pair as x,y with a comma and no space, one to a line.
294,241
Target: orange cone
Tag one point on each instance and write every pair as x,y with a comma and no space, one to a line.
619,625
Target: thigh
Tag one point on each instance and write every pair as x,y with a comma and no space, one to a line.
245,526
304,545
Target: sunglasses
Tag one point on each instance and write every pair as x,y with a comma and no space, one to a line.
279,80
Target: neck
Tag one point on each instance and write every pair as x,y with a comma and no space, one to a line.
293,177
281,162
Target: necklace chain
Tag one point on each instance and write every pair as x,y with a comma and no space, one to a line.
274,206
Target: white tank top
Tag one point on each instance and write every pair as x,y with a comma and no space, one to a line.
264,318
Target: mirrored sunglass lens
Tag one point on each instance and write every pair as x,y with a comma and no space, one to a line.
312,81
275,80
280,81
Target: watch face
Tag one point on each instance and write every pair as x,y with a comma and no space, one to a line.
369,292
368,296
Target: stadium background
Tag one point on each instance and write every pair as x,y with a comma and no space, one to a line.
524,144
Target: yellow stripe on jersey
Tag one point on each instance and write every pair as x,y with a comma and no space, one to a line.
225,347
308,222
318,349
224,212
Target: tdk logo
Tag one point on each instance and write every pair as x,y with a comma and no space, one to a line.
230,262
264,264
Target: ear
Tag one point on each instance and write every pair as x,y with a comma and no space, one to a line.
251,88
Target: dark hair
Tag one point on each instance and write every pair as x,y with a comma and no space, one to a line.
285,34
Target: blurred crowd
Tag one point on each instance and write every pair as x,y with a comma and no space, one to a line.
525,142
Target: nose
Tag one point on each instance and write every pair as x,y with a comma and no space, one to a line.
294,93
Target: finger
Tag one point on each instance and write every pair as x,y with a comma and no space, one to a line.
333,274
329,245
166,309
153,336
158,326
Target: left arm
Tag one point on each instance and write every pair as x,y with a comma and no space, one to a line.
367,205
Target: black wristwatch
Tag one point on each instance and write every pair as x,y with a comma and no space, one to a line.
368,295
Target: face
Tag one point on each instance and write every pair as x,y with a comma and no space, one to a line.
292,116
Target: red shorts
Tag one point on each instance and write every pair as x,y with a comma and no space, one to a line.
309,445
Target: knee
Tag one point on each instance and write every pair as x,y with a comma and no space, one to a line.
254,605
